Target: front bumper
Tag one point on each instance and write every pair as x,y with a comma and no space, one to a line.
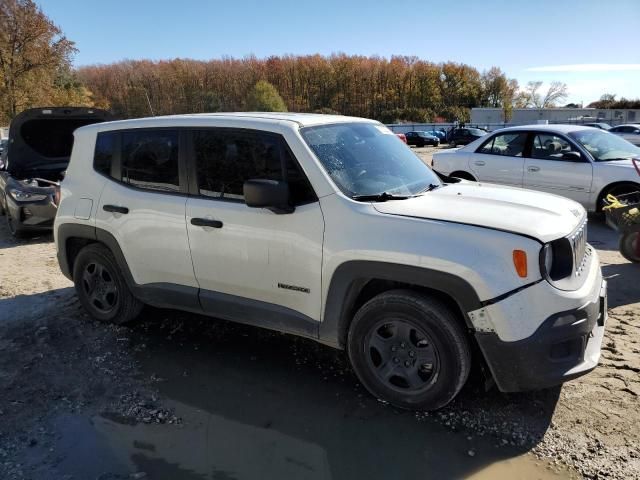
37,215
566,345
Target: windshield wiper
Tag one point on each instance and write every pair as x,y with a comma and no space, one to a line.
379,197
431,186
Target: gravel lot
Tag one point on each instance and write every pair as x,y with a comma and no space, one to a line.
180,396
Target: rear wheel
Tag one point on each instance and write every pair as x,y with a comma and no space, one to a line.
630,246
101,287
453,144
409,349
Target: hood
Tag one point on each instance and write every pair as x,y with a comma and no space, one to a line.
40,139
542,216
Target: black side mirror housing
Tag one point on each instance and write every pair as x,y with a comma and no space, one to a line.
572,156
270,194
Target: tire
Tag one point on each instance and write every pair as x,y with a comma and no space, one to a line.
392,333
453,144
463,176
101,287
629,246
14,229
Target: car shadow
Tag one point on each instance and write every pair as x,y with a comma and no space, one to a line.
257,388
622,283
8,241
600,235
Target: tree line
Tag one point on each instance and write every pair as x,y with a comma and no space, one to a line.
395,89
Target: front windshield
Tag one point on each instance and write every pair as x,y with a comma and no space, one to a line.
368,159
477,132
605,146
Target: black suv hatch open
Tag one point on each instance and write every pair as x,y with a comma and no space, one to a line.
41,139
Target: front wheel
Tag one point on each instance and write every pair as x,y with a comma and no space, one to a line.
101,286
630,246
409,349
453,144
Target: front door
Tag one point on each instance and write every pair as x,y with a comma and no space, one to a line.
500,159
248,257
550,170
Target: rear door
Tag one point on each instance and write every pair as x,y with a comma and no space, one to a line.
500,159
143,204
252,253
548,169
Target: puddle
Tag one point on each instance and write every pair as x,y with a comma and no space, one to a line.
257,404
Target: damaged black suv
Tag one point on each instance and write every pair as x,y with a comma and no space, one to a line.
33,164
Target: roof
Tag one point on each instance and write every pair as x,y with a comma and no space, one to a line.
300,119
552,127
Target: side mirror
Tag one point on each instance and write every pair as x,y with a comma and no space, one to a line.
572,156
270,194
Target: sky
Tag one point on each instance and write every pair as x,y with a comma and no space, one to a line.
591,45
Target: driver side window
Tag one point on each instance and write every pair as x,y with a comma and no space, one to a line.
550,147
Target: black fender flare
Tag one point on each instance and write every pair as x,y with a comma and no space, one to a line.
68,231
350,278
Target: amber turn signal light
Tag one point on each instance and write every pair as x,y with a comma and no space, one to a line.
520,262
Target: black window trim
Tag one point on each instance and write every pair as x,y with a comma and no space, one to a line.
193,187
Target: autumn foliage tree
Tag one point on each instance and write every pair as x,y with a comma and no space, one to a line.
397,89
35,58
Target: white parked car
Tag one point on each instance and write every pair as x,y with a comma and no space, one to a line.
581,163
629,132
330,228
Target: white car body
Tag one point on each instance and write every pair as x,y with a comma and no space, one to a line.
630,132
586,181
297,266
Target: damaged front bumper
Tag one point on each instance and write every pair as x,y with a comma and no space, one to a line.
564,345
34,211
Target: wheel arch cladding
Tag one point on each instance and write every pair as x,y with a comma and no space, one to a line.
355,282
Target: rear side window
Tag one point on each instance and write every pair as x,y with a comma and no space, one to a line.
506,144
150,159
103,155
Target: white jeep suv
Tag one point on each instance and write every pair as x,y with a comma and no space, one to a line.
331,228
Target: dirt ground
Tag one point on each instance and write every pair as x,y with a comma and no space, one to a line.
179,396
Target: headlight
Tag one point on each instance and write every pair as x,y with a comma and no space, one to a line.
556,260
547,258
22,196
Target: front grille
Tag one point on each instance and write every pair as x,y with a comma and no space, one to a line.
578,242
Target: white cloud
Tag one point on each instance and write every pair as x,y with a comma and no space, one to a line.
588,67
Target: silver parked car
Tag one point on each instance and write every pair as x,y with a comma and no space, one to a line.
630,132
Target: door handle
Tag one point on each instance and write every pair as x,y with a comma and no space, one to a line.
533,169
115,209
206,222
479,162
